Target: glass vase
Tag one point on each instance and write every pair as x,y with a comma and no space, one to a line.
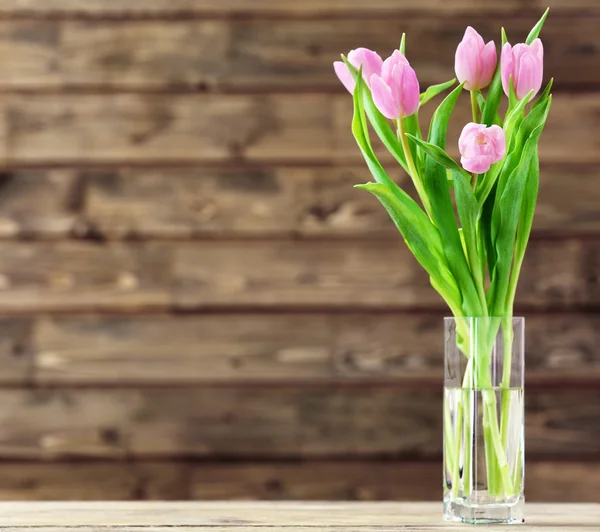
484,420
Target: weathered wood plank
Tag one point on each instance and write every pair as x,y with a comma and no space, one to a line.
357,480
262,54
97,480
149,128
202,7
187,203
140,127
373,274
37,278
321,274
247,516
376,480
278,421
16,350
245,202
39,204
275,348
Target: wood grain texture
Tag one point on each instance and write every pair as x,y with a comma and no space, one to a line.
354,480
376,274
187,7
245,202
311,128
373,274
268,422
260,54
247,516
284,201
377,480
46,277
275,348
96,480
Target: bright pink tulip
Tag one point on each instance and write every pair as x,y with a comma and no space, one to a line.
525,64
475,61
371,63
396,91
481,146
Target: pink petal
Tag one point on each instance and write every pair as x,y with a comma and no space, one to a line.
474,37
478,165
469,132
397,58
498,140
344,75
382,97
489,61
465,64
410,92
529,76
538,48
506,67
371,62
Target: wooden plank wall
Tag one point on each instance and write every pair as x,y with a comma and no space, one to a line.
195,302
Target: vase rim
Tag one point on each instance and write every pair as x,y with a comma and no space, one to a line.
484,318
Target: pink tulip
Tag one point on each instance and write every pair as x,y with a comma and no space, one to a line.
525,64
475,61
371,63
481,146
396,91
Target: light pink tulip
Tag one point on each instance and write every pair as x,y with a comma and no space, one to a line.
396,91
481,146
371,63
475,61
525,64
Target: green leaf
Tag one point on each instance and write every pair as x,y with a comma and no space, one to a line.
434,90
504,225
545,95
507,209
441,117
412,127
504,39
511,124
485,229
468,212
380,124
403,44
512,95
438,155
526,215
361,134
494,94
535,31
435,183
421,237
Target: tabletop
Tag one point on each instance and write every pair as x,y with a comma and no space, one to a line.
257,516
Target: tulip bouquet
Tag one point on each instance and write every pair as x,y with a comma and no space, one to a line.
471,223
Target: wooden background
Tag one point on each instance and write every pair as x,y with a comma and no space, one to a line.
195,301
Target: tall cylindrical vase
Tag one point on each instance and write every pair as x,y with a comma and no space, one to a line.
484,420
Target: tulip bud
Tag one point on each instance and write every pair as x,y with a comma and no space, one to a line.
371,64
475,61
525,65
396,92
481,146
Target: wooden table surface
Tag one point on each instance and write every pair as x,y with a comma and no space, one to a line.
256,516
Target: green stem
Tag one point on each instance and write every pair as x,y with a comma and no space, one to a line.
489,400
474,107
457,447
475,112
468,443
449,456
413,172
